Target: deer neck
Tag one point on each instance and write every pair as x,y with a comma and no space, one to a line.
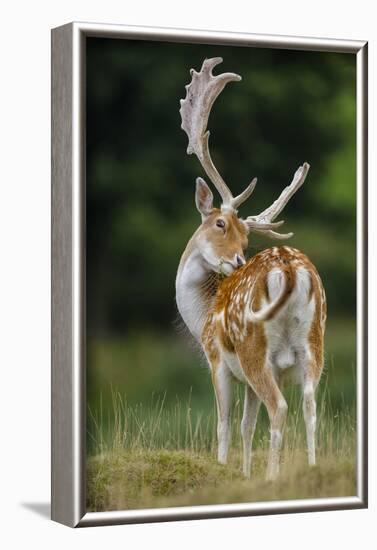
196,286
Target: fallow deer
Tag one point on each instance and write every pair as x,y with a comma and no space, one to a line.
262,324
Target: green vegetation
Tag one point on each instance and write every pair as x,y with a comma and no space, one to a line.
166,457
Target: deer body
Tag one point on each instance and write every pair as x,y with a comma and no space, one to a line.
263,324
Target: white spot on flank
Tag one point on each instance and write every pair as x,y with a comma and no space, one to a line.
220,317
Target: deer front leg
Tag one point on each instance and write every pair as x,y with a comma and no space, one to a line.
222,385
248,423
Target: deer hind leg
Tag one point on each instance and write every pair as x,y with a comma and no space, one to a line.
310,417
310,379
262,381
248,423
222,384
277,411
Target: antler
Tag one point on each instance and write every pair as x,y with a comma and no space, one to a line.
263,222
195,109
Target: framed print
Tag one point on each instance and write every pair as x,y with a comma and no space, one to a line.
207,361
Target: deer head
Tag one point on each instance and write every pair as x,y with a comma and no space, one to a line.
223,235
222,238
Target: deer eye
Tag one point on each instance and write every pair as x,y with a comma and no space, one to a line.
220,223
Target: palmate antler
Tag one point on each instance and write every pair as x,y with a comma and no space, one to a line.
195,110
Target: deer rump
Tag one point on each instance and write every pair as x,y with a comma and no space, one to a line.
286,311
287,328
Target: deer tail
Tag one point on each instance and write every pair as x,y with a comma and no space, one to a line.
286,280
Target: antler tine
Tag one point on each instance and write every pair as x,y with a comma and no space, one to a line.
273,234
237,201
263,223
195,110
276,207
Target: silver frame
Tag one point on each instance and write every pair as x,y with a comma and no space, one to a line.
68,274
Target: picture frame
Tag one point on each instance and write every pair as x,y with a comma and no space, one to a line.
69,274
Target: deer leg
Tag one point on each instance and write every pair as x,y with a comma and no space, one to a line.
310,376
222,385
266,388
262,381
309,409
310,381
277,411
248,423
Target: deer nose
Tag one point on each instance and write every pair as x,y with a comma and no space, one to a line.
239,260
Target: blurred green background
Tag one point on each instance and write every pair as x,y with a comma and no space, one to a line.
290,107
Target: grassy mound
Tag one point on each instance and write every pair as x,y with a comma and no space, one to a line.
165,456
159,478
127,480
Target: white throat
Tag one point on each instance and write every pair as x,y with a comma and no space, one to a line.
192,295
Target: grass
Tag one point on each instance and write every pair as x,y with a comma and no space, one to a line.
164,455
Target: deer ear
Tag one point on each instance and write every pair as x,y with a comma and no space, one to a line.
203,198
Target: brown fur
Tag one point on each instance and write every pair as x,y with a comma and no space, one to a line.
221,334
